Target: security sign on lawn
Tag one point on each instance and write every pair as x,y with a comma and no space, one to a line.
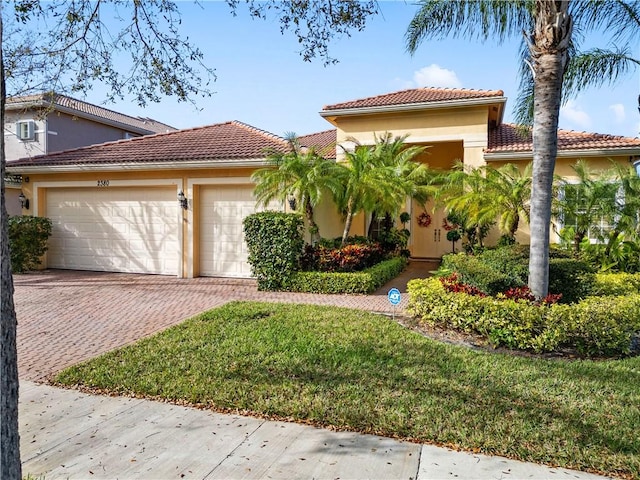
394,296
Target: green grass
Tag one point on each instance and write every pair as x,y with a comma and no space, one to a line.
359,371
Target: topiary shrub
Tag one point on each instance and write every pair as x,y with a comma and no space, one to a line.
275,242
28,241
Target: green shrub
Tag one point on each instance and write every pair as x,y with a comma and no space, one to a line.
363,282
28,241
595,326
275,242
473,271
571,277
615,284
496,270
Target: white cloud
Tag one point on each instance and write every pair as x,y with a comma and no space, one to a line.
400,84
618,112
574,114
436,76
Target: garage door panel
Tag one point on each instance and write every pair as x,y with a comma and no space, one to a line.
223,251
119,229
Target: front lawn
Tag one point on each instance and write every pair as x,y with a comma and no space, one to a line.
354,370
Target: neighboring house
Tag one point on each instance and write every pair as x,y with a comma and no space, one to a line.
115,206
50,122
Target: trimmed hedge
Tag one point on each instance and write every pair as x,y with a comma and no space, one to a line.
497,270
615,284
363,282
473,271
28,241
275,242
595,326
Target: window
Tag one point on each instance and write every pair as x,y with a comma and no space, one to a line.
590,209
25,130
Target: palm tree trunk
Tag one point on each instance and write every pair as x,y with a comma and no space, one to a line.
549,53
313,226
10,466
347,222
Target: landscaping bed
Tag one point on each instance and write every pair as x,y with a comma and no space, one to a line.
486,295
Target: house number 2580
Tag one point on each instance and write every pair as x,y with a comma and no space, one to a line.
103,183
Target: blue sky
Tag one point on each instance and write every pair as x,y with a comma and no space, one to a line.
262,80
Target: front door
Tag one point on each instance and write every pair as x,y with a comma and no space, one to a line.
428,237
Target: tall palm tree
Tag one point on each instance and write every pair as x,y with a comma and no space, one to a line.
548,27
300,173
379,178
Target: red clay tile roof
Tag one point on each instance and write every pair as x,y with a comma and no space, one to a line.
507,138
214,143
137,124
323,142
416,95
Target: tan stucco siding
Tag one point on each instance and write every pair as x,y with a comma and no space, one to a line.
468,125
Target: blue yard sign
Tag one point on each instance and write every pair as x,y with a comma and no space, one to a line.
394,296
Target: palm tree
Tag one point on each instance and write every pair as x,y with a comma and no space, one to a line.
509,192
300,173
379,178
548,26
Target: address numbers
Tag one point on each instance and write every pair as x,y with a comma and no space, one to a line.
103,183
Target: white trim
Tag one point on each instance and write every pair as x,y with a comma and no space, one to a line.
162,182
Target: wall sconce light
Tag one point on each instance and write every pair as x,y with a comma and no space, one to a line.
24,201
182,200
293,204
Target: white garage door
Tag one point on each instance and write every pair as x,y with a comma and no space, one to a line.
114,229
223,251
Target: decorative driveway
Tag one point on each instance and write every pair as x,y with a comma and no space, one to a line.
65,317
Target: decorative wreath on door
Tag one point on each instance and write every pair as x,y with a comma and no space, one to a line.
424,219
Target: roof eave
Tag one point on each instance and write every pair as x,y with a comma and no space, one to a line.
132,166
339,112
528,155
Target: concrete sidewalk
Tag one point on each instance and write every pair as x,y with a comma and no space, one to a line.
67,434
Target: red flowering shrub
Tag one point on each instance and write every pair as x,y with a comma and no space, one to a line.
520,293
453,284
350,258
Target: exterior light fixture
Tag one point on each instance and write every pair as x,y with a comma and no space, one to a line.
182,200
24,201
293,204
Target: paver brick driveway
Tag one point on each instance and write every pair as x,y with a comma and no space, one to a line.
65,317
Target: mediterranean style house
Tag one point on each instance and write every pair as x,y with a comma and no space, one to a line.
50,122
173,203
